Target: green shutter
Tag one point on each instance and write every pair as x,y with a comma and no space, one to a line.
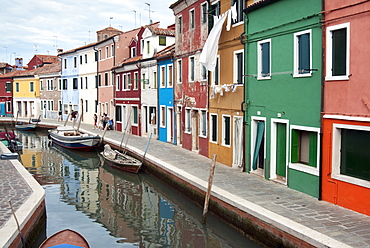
281,149
313,149
294,149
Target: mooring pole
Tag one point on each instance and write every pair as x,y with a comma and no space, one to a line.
210,179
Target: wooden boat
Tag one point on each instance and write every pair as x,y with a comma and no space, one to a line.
70,138
30,126
120,161
66,238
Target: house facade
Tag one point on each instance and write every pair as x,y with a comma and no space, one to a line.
39,60
226,91
346,118
191,82
283,92
166,111
6,92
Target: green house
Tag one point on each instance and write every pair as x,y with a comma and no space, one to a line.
283,53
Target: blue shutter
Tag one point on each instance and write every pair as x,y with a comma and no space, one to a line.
304,53
265,47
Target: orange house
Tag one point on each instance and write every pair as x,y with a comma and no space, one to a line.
346,107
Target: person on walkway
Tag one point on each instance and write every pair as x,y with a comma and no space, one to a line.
74,116
60,118
95,122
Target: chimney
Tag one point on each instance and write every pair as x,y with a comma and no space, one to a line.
60,50
19,64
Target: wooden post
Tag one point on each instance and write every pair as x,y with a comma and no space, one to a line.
210,179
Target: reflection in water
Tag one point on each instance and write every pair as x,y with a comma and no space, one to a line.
119,209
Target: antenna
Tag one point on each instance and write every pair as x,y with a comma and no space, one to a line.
35,45
56,41
110,18
150,20
135,17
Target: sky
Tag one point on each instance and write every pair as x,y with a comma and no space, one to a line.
42,26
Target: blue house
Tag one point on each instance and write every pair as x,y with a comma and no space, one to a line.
70,82
165,73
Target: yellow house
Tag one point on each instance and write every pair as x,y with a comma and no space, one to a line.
226,92
26,95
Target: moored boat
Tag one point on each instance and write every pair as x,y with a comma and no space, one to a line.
66,238
26,126
73,139
120,161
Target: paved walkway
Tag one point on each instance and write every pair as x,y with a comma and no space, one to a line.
319,223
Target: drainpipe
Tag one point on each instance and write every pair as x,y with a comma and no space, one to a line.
97,78
115,39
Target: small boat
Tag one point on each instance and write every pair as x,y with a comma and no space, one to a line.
66,238
30,126
120,161
10,140
70,138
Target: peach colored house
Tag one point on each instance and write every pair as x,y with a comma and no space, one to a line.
346,112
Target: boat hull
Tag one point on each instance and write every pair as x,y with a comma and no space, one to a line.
132,165
66,237
82,143
26,127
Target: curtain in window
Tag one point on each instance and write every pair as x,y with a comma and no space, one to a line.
259,137
238,148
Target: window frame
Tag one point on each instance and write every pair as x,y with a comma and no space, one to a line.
163,76
179,71
260,60
169,74
310,169
336,154
216,72
213,129
236,66
192,69
224,134
192,19
32,87
135,118
162,116
118,82
239,10
204,16
296,72
187,121
329,52
203,123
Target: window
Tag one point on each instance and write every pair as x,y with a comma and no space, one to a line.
163,116
65,63
135,113
65,84
124,82
226,129
187,120
106,52
118,113
213,128
86,106
204,72
163,76
81,59
239,9
351,157
8,87
155,80
133,52
179,23
170,76
337,58
238,67
264,59
100,54
304,147
144,81
96,56
214,10
81,83
191,69
50,84
203,123
59,84
99,79
162,40
204,13
85,58
75,62
16,87
136,81
216,72
118,82
148,47
8,106
106,79
86,83
191,14
75,83
302,54
129,83
112,50
32,87
179,71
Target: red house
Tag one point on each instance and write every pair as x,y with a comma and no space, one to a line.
191,84
6,94
41,60
346,117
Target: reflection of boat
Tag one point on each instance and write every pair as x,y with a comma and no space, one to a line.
65,238
10,140
73,139
88,160
120,161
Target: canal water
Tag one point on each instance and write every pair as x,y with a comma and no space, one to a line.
111,208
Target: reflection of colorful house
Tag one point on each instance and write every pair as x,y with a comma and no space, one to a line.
165,95
346,121
227,89
191,83
283,92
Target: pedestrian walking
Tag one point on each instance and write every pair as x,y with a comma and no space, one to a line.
95,122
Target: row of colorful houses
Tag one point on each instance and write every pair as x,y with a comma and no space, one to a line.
276,93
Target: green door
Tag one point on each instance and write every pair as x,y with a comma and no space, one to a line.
281,149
